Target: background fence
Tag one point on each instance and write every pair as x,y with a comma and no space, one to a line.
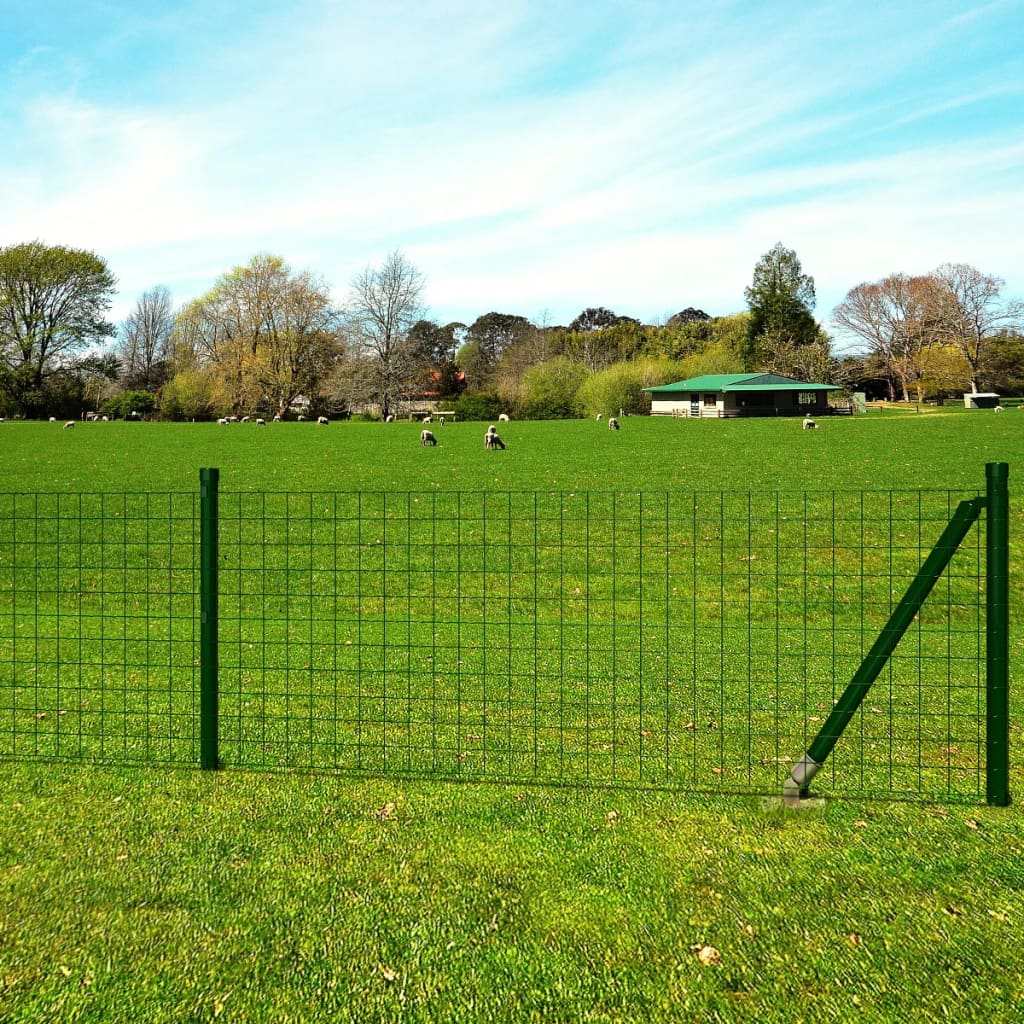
695,639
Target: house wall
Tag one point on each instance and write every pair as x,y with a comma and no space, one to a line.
737,403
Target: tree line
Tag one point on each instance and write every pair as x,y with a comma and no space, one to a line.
269,339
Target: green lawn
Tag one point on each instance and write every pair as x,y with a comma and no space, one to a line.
158,894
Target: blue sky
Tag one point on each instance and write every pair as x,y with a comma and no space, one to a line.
528,156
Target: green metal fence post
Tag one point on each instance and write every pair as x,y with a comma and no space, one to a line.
966,514
208,654
997,636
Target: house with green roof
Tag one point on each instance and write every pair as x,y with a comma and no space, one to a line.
726,395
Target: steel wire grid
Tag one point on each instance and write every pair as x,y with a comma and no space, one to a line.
693,639
98,635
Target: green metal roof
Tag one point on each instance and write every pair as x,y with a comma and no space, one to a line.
740,382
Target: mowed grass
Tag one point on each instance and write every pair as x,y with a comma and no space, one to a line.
156,894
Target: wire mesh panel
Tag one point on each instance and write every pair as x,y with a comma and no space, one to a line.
98,626
689,639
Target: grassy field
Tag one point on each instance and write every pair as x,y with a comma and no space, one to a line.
158,894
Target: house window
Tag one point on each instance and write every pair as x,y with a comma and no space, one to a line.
806,398
710,400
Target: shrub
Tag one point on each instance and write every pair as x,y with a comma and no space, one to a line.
122,406
481,405
549,389
622,386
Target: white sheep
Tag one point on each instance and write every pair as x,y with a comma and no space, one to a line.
300,419
277,417
53,419
599,417
427,419
503,418
260,422
427,437
492,429
322,421
613,423
809,423
222,422
440,420
106,419
491,440
998,408
389,419
69,424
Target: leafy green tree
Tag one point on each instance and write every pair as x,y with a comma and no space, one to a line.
687,316
550,388
596,319
621,387
480,405
129,404
488,337
52,305
781,299
265,333
187,396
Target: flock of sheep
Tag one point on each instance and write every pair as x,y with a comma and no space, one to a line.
427,437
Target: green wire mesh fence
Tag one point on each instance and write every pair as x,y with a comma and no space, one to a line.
98,628
694,640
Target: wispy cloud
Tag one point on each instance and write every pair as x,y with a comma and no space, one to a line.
526,156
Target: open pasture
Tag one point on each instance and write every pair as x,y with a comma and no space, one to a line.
245,896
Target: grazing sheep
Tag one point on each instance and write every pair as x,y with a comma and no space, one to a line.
427,437
322,421
69,424
613,423
106,419
492,429
260,422
300,419
222,422
491,440
998,408
244,419
503,418
599,417
53,419
277,417
389,419
232,419
809,423
441,421
426,420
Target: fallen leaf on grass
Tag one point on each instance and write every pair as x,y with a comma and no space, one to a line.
971,823
613,816
860,823
998,915
387,812
707,955
387,973
853,939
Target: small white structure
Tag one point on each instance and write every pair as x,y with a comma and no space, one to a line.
980,400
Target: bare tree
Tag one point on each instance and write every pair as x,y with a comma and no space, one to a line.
893,316
384,306
966,312
145,346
